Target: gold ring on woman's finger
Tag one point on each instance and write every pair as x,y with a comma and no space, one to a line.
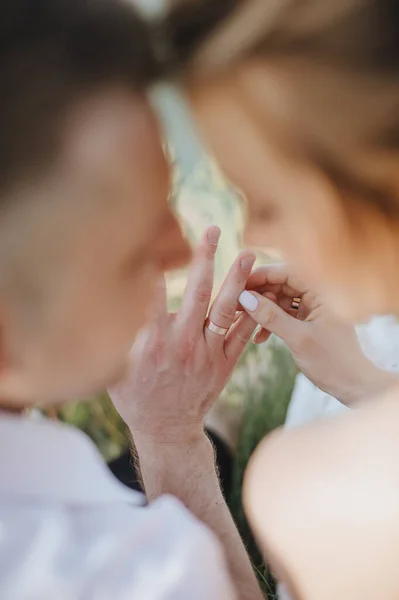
295,303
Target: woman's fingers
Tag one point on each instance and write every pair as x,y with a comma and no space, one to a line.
273,318
223,310
277,275
157,318
194,308
277,279
307,303
241,333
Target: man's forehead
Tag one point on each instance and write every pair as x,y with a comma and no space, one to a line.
109,126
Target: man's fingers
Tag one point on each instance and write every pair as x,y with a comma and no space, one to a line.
241,332
261,336
158,309
223,310
238,337
198,292
271,317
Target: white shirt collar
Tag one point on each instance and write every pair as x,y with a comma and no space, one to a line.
46,460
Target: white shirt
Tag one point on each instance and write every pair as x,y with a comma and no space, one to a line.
69,530
379,339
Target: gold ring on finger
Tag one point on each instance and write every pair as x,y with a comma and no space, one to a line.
215,328
295,303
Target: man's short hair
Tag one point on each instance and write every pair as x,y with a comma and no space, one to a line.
53,53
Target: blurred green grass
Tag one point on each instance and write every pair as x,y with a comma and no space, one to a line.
265,405
262,382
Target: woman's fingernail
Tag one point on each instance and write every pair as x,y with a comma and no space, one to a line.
247,262
248,301
214,235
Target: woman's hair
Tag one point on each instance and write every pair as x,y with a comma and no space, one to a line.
336,62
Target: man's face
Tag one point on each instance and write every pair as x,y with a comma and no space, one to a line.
100,236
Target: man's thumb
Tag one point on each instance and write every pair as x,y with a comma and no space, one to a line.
271,317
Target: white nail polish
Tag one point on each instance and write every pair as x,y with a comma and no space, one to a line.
248,301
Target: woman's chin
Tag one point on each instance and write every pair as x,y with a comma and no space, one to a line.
354,310
343,305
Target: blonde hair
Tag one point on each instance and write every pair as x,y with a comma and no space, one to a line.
339,62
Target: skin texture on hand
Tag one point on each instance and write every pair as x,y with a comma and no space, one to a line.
325,348
178,369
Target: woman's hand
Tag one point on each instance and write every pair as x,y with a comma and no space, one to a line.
178,366
324,348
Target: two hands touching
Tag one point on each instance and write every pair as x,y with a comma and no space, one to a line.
179,367
325,348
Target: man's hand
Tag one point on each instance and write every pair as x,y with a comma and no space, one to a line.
324,348
178,366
